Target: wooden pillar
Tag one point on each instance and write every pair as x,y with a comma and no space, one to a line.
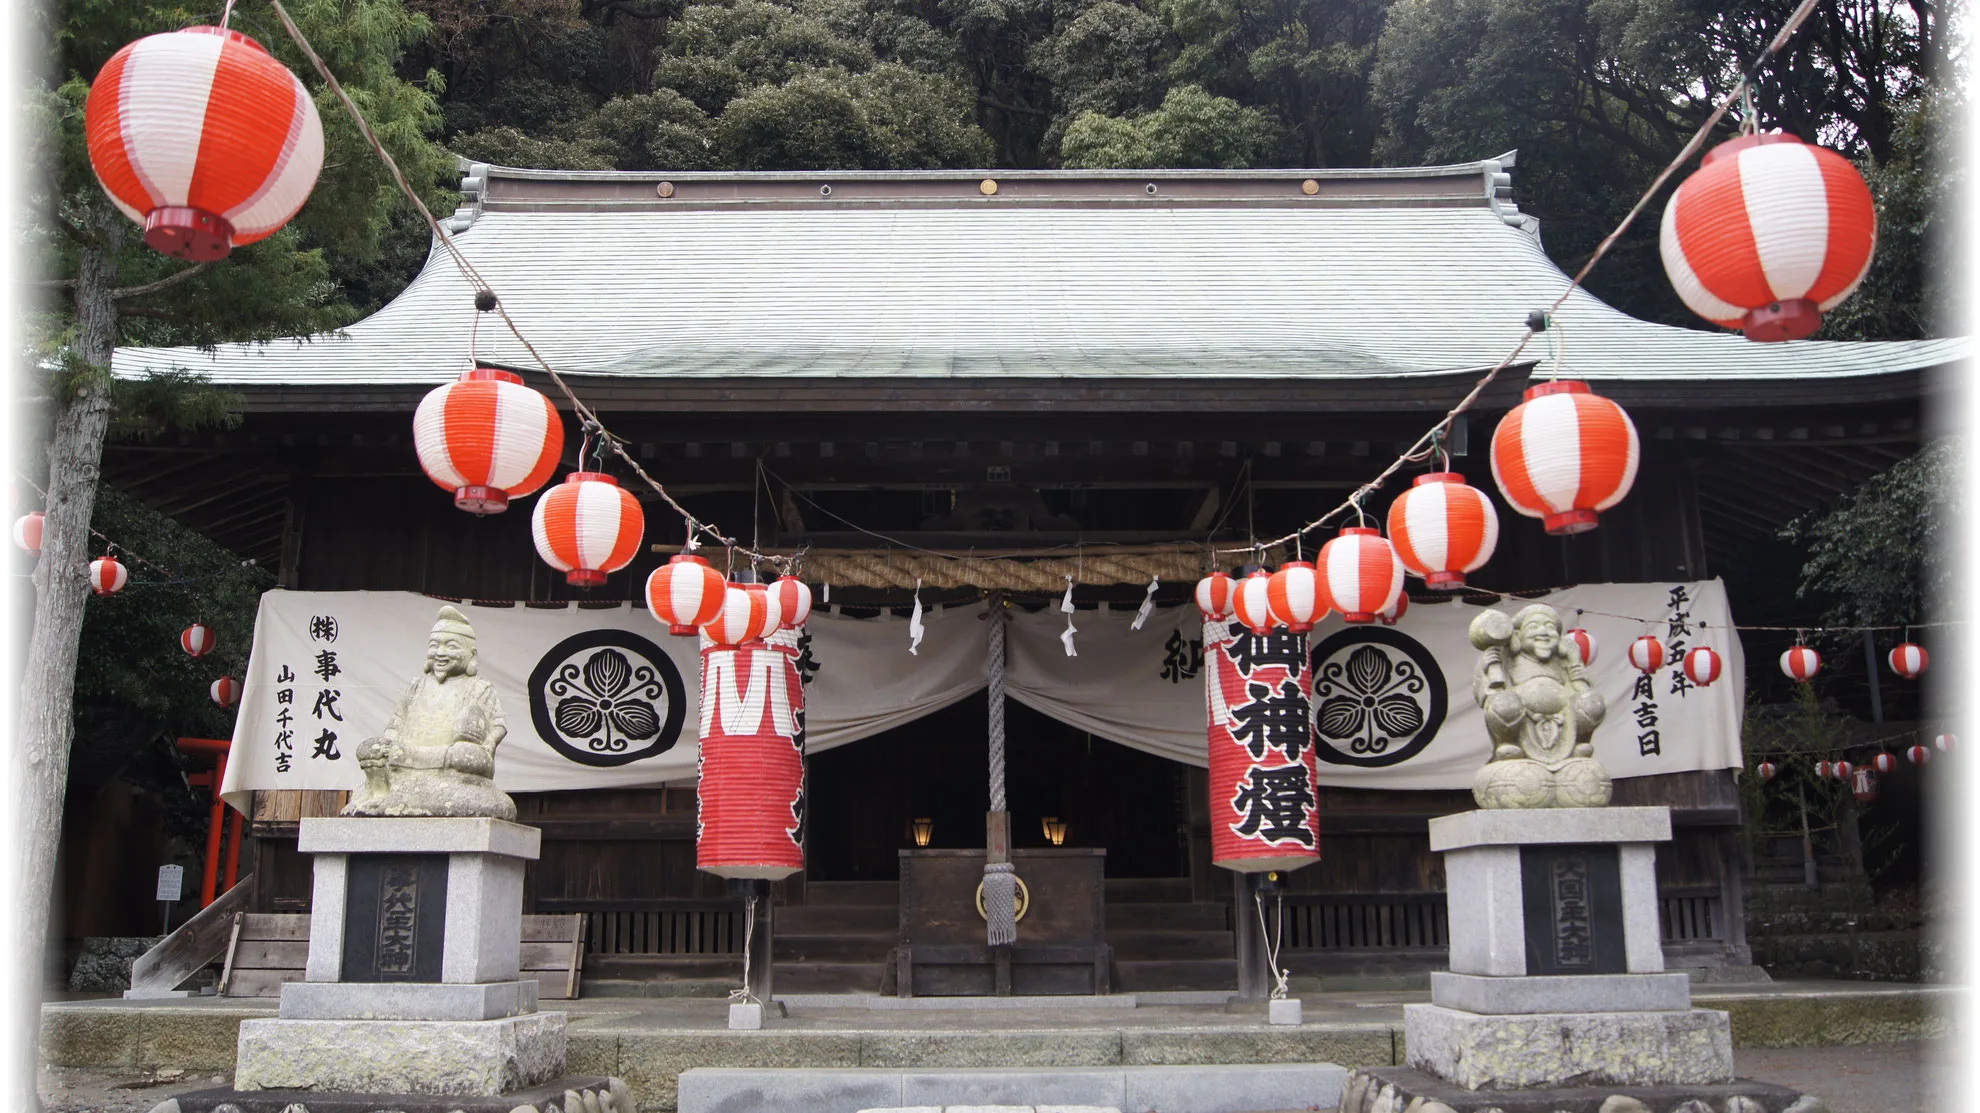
1253,954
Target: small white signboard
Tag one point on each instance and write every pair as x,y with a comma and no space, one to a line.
171,882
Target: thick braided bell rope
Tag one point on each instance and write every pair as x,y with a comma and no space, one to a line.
999,878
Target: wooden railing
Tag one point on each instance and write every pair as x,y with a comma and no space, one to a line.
1690,915
656,927
1365,921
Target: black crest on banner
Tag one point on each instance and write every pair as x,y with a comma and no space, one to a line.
607,697
1378,697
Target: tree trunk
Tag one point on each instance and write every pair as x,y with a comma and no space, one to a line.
48,683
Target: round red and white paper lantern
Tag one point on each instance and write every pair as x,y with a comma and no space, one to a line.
1703,665
225,691
1216,595
1884,763
1584,643
793,601
588,527
1442,528
1646,653
1946,743
1919,755
1842,770
203,138
1801,663
107,575
1564,455
748,614
1769,234
1824,770
1360,574
1767,769
1252,603
487,438
196,640
1909,660
1396,610
27,531
1293,594
685,593
750,792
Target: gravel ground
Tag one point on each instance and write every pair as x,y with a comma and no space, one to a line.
1860,1078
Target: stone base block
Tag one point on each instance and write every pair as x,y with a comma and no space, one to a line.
1569,993
1285,1011
746,1017
406,1000
1393,1089
568,1094
1477,1052
451,1057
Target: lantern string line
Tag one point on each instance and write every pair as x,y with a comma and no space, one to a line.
124,553
1425,444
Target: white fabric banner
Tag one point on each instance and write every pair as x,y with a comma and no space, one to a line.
1393,706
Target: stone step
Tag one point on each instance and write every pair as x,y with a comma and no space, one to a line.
1134,946
1149,976
833,947
1170,890
828,977
1134,1089
838,893
644,968
810,919
1168,916
664,987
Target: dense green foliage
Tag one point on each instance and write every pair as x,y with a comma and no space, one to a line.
1885,552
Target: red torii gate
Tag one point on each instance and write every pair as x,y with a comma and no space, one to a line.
216,749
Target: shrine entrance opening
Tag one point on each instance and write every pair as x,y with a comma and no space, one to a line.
864,796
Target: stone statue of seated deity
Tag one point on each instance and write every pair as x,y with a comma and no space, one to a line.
1541,712
437,755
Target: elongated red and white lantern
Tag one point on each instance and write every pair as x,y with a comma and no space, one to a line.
1919,755
1584,644
1360,574
793,601
1884,763
1216,595
1264,809
1396,610
196,640
685,593
225,691
749,614
1252,602
1703,665
1769,234
27,530
1564,455
203,138
1293,594
1801,663
588,527
1443,528
1767,769
750,793
1646,654
487,438
107,575
1909,660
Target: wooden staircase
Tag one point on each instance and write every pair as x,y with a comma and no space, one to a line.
1163,940
838,940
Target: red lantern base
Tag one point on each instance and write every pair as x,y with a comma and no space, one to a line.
482,500
1357,618
681,631
1571,521
1444,581
187,233
1783,320
585,577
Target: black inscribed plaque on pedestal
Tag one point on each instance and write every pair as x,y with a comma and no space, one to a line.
1573,901
395,917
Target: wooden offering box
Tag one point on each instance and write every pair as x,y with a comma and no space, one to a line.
1061,940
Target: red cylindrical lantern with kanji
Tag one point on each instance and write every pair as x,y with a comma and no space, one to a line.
1264,794
203,138
1293,594
588,527
1909,660
1800,664
196,640
750,793
487,438
1216,595
1564,455
225,691
1769,234
1863,785
1252,602
107,575
1584,643
685,593
1360,574
1646,654
27,530
1703,665
1442,528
